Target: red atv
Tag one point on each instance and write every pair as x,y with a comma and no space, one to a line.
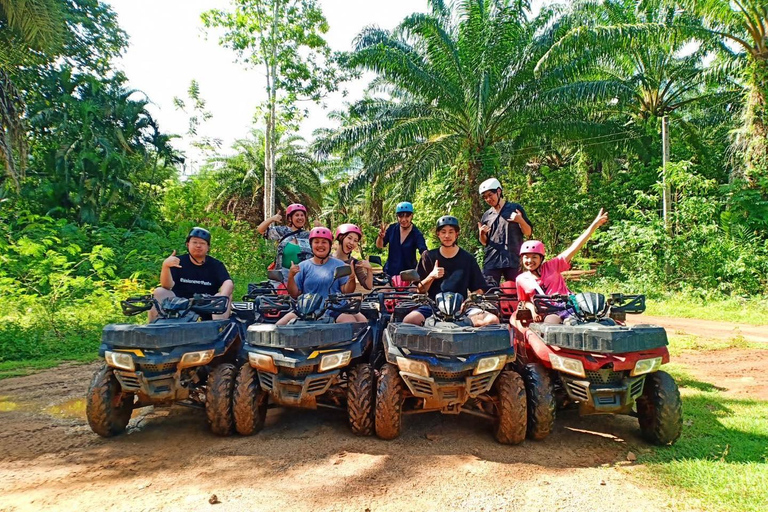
596,360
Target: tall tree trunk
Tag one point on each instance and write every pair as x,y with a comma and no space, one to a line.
755,142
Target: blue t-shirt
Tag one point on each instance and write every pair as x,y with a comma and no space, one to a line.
314,278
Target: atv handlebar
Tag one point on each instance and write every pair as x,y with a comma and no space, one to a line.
134,305
209,304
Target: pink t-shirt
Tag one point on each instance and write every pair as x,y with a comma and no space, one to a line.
550,283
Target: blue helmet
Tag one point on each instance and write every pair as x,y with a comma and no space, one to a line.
404,207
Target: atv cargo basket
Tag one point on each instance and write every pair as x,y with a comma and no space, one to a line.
605,339
449,339
162,335
303,334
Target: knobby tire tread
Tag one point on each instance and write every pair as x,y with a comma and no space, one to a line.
218,399
512,408
249,402
103,417
360,399
660,409
541,401
389,403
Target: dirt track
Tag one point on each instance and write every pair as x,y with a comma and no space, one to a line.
308,460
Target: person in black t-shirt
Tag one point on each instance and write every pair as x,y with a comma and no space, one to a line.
450,268
502,230
195,272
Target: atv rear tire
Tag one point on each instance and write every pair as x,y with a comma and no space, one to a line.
660,410
249,402
360,390
218,399
107,408
511,408
389,402
541,401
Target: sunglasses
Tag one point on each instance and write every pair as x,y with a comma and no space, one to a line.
404,214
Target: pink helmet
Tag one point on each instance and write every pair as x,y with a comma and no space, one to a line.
321,232
345,229
533,246
295,207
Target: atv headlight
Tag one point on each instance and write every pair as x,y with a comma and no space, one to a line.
567,365
411,366
331,361
490,364
646,366
196,358
120,360
262,362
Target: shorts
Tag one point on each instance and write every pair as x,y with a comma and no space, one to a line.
509,274
426,311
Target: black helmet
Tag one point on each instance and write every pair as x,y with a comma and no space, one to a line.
592,305
447,220
198,232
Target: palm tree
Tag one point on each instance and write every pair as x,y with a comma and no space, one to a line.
240,176
462,94
30,31
743,24
627,63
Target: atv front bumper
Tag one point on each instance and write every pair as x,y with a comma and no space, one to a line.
448,395
164,387
297,391
600,398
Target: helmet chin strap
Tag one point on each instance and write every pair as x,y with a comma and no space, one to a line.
195,260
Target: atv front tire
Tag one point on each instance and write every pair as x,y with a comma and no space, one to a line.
541,401
218,399
511,408
389,402
249,402
660,410
360,390
107,408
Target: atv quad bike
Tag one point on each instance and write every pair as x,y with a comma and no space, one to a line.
176,359
597,361
452,368
311,362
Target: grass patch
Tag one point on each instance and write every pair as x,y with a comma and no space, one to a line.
721,458
10,369
679,343
737,310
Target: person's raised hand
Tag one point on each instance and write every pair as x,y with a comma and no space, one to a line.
483,228
437,271
293,270
516,217
318,223
172,261
277,218
365,264
601,218
382,230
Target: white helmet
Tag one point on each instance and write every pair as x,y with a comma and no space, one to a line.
489,184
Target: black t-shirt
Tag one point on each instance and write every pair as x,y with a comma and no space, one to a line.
462,273
191,279
505,238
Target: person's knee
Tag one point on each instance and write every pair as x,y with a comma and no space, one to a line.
414,317
553,319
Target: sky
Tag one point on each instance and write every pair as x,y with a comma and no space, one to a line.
168,48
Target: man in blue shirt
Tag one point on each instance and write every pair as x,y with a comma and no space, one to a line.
403,238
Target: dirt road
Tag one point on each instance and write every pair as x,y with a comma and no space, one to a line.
308,460
704,328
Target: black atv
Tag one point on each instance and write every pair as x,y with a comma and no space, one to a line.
176,359
311,362
450,367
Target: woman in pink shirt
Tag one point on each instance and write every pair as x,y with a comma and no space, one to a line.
544,277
